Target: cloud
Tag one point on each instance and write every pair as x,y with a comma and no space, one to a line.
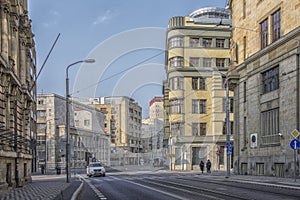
53,19
108,15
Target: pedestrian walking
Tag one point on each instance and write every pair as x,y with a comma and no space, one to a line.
43,169
208,166
201,166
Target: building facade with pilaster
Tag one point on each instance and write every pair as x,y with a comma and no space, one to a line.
195,99
264,76
17,95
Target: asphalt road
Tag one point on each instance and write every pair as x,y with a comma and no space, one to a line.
182,186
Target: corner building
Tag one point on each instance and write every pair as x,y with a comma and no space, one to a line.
265,78
196,63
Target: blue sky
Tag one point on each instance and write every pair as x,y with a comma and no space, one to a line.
111,32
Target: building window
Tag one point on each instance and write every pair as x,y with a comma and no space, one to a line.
199,129
176,106
264,33
245,47
41,113
176,83
270,80
195,62
270,122
260,169
245,132
244,9
220,43
206,62
177,129
207,42
199,106
202,129
230,128
276,25
245,91
176,42
40,126
86,122
41,101
220,62
194,42
176,62
221,155
198,83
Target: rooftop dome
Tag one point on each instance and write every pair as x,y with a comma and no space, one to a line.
211,12
211,15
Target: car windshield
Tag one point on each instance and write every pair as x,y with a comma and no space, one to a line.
95,165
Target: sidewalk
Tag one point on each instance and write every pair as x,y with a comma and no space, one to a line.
44,187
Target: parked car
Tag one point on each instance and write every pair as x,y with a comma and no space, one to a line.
95,169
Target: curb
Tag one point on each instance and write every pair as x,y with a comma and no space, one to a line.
77,192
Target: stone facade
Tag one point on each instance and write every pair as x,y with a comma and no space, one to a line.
17,95
87,138
194,94
265,79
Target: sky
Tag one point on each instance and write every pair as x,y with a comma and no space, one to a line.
125,37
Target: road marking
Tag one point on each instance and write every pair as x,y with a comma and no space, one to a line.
151,188
98,193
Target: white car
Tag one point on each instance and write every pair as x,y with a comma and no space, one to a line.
95,169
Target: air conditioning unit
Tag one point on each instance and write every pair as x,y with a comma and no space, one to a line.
253,140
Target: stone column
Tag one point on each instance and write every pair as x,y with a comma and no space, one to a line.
4,10
14,47
23,58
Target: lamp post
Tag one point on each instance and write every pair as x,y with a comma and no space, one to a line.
228,145
68,116
227,119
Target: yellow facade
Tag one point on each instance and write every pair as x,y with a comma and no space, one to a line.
194,90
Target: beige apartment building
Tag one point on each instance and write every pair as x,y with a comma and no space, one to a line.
87,137
153,134
265,78
197,61
123,120
156,108
17,95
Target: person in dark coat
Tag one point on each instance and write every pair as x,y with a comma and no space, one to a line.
201,166
208,166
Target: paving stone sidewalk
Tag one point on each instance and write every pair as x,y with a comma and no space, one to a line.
44,188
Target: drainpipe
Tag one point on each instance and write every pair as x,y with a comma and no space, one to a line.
298,84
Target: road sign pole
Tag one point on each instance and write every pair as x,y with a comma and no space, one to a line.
295,164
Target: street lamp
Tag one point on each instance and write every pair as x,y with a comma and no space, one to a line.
68,115
228,145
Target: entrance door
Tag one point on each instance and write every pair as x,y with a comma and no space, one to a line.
198,154
8,174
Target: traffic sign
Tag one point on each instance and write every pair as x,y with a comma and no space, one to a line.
295,133
229,147
295,144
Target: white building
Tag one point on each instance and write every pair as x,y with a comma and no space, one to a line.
87,138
